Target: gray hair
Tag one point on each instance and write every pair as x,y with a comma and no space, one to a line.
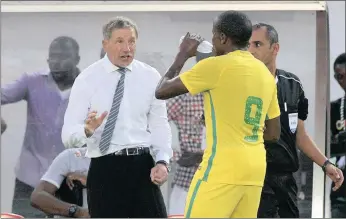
272,34
118,23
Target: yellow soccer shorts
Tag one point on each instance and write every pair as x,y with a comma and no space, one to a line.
219,200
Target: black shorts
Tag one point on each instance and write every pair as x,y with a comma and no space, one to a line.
279,197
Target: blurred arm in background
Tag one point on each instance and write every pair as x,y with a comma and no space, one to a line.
3,126
15,91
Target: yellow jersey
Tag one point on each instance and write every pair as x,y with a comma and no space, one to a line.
239,95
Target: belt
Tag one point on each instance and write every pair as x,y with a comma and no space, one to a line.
131,151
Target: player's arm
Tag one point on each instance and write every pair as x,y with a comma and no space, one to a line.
201,77
272,122
170,85
43,196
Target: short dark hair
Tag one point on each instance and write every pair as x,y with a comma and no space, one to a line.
236,26
341,59
65,40
272,34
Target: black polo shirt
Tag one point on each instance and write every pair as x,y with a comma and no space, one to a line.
282,156
337,148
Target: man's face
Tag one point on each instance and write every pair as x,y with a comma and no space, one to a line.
121,47
340,75
261,48
63,59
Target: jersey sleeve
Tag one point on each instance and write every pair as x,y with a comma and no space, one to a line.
274,109
303,107
59,168
201,77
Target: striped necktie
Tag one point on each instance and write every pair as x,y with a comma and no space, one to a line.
107,133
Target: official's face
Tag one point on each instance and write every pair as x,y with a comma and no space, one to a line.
121,47
260,46
63,59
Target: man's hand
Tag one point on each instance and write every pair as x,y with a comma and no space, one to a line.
335,174
75,176
93,122
82,213
189,44
159,174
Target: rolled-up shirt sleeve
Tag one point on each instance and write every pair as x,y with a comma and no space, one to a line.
73,134
16,90
59,169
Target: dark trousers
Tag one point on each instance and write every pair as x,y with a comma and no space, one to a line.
338,210
279,197
120,186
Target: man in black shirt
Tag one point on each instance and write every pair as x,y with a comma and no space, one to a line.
279,195
338,141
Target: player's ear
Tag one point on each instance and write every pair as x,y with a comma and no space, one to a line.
223,38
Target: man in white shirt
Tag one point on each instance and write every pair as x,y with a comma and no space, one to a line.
112,109
71,164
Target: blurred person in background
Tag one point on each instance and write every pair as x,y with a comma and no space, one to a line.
71,165
279,194
3,126
338,141
46,94
185,111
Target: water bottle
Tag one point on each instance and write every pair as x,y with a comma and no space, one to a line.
203,47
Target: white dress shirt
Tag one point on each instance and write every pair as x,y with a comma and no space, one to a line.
68,161
142,119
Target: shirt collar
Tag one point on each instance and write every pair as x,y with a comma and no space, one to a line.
112,68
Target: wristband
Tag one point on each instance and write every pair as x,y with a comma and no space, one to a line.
325,165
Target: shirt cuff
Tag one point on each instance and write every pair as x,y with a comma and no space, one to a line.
162,156
57,185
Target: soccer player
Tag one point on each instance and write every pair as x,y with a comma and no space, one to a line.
240,99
